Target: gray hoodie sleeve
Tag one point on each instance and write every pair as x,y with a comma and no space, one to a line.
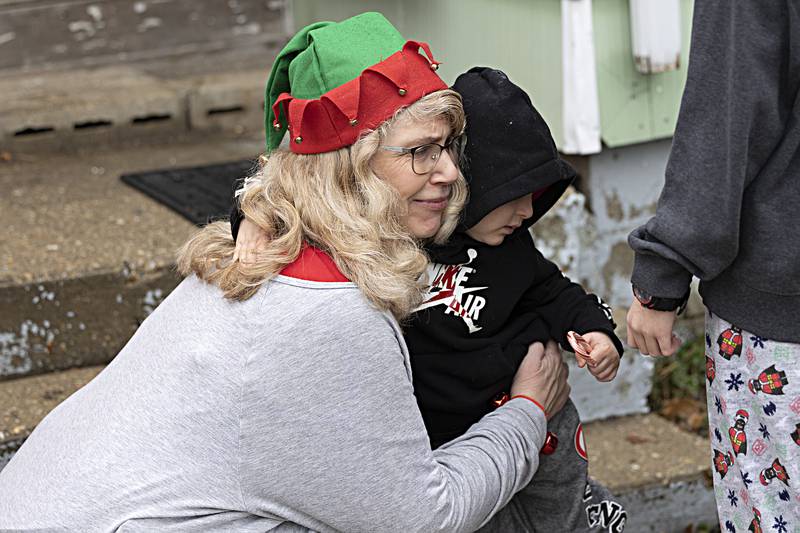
733,113
362,461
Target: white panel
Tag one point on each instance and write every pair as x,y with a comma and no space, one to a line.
580,103
656,35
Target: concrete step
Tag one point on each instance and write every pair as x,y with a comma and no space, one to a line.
657,470
83,257
70,110
87,72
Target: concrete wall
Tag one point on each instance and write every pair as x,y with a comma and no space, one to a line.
587,232
43,34
94,72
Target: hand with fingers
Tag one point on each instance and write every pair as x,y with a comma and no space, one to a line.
651,331
552,348
542,376
604,355
596,351
250,241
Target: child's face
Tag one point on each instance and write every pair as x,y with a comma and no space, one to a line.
502,221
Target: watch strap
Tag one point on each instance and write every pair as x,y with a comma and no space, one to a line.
660,303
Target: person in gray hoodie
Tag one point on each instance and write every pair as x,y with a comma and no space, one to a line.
728,215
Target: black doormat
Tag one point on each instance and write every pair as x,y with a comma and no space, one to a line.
201,194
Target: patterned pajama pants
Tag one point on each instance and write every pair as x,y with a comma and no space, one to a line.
753,387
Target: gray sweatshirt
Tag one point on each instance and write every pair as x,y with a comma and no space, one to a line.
291,411
729,212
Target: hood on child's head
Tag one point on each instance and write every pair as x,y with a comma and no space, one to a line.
510,151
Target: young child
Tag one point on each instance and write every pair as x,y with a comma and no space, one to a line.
492,294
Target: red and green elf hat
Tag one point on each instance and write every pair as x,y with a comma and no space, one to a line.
334,80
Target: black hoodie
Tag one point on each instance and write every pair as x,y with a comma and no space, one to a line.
486,304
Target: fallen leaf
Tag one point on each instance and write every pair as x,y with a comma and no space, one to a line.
634,438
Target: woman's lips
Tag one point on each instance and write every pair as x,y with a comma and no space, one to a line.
434,204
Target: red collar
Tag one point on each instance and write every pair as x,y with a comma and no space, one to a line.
313,265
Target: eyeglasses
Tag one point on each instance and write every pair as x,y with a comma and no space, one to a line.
425,156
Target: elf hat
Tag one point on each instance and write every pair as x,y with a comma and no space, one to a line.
333,80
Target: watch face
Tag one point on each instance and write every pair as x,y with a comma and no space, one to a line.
643,297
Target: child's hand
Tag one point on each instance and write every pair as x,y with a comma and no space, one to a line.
249,242
604,355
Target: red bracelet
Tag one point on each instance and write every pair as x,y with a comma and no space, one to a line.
550,441
532,400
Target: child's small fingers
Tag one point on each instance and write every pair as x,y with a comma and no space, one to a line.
601,367
606,369
600,374
610,374
639,343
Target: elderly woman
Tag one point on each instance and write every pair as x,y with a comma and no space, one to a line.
277,396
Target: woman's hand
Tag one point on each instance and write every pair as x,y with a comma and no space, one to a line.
249,242
604,354
542,376
552,348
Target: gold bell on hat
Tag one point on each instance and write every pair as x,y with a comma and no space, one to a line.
298,139
434,66
276,126
401,92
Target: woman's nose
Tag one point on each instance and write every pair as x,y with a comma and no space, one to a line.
446,170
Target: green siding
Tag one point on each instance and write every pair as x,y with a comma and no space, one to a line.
520,37
307,11
523,37
634,107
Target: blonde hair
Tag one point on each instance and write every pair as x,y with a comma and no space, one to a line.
333,201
